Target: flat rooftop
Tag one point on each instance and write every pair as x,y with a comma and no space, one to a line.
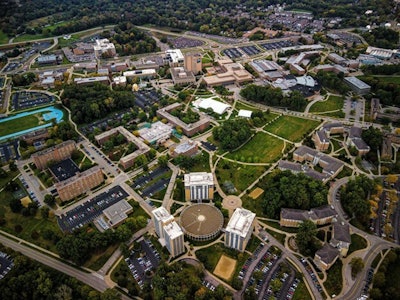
117,212
241,222
199,178
173,230
64,169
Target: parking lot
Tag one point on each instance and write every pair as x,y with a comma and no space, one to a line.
12,66
142,261
32,194
277,45
25,99
148,188
209,146
312,274
145,99
9,151
250,50
232,53
91,209
184,42
6,264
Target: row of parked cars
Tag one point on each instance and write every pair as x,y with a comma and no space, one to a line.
312,274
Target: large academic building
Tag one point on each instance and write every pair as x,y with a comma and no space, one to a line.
239,229
199,186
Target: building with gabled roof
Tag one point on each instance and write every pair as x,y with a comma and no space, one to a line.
341,238
326,256
355,139
291,217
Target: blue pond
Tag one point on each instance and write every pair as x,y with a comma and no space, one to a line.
50,113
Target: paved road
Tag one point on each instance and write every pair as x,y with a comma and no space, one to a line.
94,280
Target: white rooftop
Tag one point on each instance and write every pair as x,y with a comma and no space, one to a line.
217,106
306,81
241,222
173,230
175,55
199,178
245,113
117,212
157,131
184,147
161,214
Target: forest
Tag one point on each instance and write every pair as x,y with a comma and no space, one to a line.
274,97
216,17
288,190
92,103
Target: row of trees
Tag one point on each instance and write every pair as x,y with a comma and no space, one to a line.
274,97
387,92
331,81
288,190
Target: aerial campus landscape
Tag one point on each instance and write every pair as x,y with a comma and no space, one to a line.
199,149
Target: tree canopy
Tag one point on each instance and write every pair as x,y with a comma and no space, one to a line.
288,190
274,97
232,133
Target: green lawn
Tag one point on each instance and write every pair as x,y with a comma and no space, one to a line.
335,114
29,37
254,205
333,283
262,148
3,37
240,105
240,175
357,243
301,292
20,124
332,103
291,128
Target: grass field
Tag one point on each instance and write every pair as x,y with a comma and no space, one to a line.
332,103
291,128
240,175
239,105
253,205
19,124
3,37
262,148
301,292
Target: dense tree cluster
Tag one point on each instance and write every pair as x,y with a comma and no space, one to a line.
232,133
382,37
355,198
387,92
373,137
24,79
288,190
386,280
331,81
216,17
274,97
130,40
92,103
183,281
306,240
381,69
31,280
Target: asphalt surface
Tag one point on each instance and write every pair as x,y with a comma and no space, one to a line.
5,264
91,209
150,176
156,187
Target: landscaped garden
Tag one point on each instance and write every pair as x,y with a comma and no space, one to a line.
291,128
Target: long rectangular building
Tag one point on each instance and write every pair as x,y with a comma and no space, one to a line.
174,239
79,184
56,153
239,229
199,186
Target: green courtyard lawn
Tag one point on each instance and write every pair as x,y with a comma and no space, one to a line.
333,283
240,105
357,243
291,128
262,148
254,205
332,103
240,175
19,124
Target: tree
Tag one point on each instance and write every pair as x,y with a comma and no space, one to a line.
13,167
357,265
276,285
232,133
49,199
44,212
163,161
15,205
110,294
305,235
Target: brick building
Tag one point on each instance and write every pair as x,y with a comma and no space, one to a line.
57,153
